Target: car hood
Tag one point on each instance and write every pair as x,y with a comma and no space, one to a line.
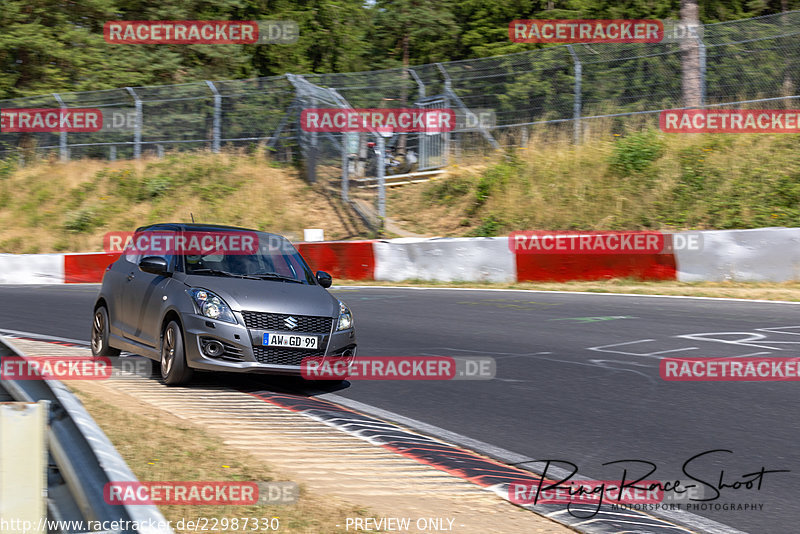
269,295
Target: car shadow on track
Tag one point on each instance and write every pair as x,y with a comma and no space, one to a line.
289,385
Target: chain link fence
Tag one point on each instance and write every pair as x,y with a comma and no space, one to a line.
499,101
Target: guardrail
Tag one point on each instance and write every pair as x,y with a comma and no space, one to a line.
85,460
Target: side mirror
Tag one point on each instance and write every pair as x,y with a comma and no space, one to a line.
154,265
324,279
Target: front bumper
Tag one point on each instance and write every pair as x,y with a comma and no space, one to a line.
244,352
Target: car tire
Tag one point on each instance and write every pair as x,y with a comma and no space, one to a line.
174,370
101,334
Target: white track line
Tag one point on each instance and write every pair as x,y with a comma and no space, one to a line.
703,524
43,337
593,293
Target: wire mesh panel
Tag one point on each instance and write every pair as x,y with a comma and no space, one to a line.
174,115
117,108
253,109
520,88
432,146
29,144
318,148
389,88
651,72
747,63
753,59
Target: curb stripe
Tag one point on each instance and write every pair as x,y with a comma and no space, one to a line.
462,463
350,260
87,268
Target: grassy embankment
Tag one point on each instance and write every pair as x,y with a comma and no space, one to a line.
67,207
645,180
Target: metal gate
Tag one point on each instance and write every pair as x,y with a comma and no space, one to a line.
433,147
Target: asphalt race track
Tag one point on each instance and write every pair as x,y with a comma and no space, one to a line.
577,379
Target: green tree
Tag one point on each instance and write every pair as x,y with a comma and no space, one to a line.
409,32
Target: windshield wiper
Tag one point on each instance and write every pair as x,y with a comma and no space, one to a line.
219,272
276,276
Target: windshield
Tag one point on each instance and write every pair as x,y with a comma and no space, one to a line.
274,258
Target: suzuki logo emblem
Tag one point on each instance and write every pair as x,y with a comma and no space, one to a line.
290,322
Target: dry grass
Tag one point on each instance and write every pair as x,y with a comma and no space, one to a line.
636,180
786,291
54,207
619,178
157,449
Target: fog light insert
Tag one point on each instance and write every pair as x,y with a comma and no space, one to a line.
213,349
348,354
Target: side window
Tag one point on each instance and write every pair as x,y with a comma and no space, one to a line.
131,255
151,243
161,245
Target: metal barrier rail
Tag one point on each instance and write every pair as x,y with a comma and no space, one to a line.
85,458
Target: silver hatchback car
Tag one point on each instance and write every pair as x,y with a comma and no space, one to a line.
257,309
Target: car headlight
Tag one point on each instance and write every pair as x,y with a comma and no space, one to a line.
345,317
211,305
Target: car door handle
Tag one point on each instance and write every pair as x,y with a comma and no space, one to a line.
131,277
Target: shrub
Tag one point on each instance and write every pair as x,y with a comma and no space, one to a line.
448,190
490,226
636,152
157,186
79,221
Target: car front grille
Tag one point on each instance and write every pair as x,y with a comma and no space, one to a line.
280,356
277,321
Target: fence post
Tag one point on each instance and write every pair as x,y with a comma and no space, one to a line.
447,91
702,53
217,121
112,153
137,128
311,158
381,182
345,168
62,137
577,103
276,135
420,85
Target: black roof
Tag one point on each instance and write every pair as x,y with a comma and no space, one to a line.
197,227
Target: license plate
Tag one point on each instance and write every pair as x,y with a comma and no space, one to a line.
289,340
